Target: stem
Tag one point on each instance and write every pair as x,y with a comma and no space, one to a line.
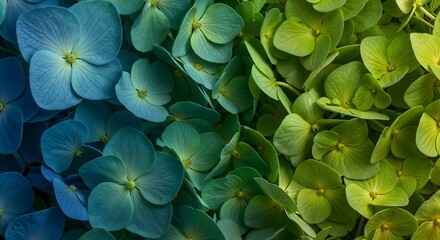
9,51
377,123
360,227
426,12
333,115
287,86
424,21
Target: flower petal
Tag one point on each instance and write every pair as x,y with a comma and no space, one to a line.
11,129
103,169
68,200
101,31
52,28
49,76
11,80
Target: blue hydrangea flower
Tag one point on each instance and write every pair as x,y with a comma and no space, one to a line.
16,198
133,182
72,52
16,104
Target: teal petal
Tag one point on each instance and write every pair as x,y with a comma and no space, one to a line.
101,31
134,149
210,51
162,183
174,10
182,138
49,77
149,220
208,155
151,27
106,201
103,169
128,95
52,28
95,82
181,44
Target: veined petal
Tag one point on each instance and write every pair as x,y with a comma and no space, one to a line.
52,28
103,169
151,27
11,129
95,82
101,31
49,76
130,97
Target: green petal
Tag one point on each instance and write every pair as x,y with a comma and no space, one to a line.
426,135
293,135
317,175
295,37
426,48
276,194
314,208
182,138
403,144
216,192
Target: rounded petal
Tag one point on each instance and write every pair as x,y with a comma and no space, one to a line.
162,183
134,149
26,103
106,201
101,31
68,200
149,220
128,95
121,119
94,115
210,51
11,129
52,28
50,78
61,143
11,80
45,224
103,169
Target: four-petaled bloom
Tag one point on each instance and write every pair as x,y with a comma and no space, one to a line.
72,52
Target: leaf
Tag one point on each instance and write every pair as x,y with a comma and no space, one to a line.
106,200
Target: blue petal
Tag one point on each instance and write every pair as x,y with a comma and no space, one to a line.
121,119
27,104
39,182
94,115
11,80
129,97
16,197
11,163
174,10
49,77
30,144
149,220
162,183
96,82
61,143
101,31
132,147
200,70
48,173
43,115
53,28
68,200
14,9
151,27
103,169
45,224
110,207
11,129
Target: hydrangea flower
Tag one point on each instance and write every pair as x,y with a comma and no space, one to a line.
72,52
133,182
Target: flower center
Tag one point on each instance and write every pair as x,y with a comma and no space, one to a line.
142,93
196,25
2,107
104,139
315,127
1,212
72,188
399,173
187,162
79,153
391,68
385,227
436,221
240,194
374,195
70,58
395,132
223,91
198,66
235,154
340,146
321,191
130,184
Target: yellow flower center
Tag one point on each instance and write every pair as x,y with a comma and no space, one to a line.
130,184
70,58
240,194
142,93
72,188
196,25
385,227
321,191
198,66
374,195
79,153
2,107
104,139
